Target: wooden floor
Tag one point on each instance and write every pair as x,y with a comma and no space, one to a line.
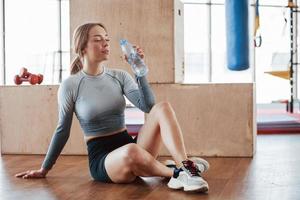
274,173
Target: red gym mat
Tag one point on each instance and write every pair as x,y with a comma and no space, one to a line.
273,119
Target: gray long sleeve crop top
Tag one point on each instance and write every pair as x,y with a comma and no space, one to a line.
98,103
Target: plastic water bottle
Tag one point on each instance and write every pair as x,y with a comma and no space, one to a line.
137,63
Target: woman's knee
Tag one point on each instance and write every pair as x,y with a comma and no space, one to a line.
163,107
130,158
121,172
136,156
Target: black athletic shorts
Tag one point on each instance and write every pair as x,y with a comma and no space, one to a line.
99,147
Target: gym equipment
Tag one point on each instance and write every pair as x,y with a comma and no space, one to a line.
237,34
289,74
25,76
257,34
279,65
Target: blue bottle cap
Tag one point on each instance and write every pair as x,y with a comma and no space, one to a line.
123,42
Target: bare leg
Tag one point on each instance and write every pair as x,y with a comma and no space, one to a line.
162,125
140,159
125,163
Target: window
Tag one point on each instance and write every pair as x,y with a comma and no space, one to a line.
32,39
205,40
205,44
196,43
275,44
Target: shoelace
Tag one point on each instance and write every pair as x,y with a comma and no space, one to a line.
191,167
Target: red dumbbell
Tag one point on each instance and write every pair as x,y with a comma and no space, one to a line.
24,75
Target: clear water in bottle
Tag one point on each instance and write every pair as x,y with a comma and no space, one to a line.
137,63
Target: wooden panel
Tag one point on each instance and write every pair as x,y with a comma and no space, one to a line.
149,24
29,118
216,119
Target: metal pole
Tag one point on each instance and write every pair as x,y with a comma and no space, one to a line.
291,59
295,15
3,38
60,43
209,44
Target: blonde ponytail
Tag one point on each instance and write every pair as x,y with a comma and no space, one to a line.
76,65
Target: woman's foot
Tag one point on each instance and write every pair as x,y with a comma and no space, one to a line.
170,164
188,177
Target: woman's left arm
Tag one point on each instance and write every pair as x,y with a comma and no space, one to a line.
138,92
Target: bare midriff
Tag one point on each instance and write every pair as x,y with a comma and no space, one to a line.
87,138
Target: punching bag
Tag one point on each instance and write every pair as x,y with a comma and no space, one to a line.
237,34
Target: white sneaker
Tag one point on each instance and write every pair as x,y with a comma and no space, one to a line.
202,164
188,178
